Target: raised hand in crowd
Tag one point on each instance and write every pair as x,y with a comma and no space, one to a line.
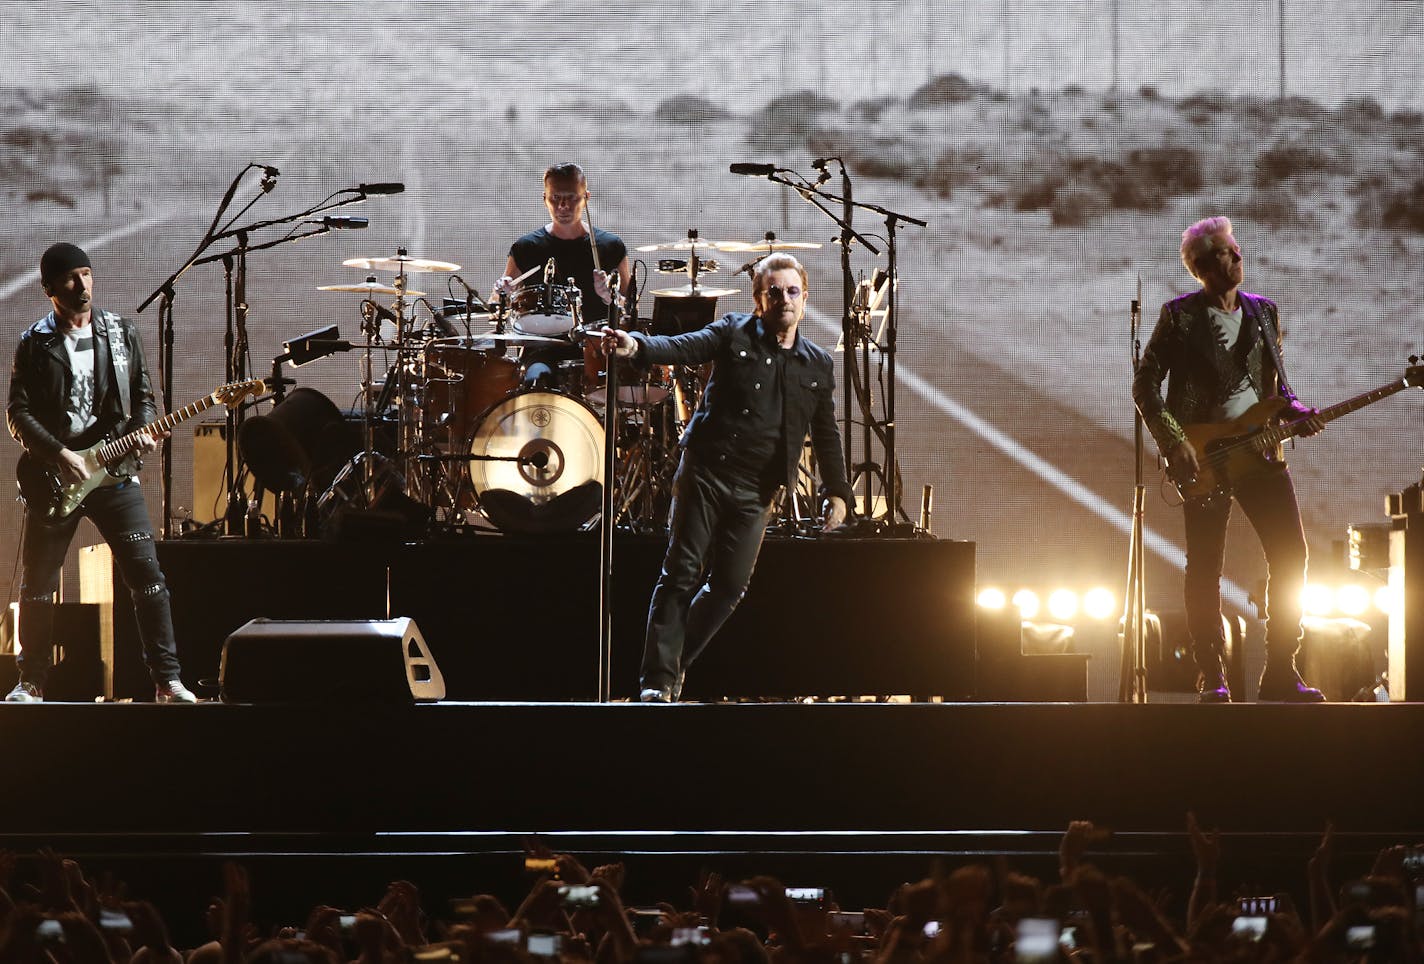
1206,851
707,896
1322,902
401,906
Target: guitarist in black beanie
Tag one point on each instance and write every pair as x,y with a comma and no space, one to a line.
1219,350
79,376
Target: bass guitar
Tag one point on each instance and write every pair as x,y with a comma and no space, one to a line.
1230,451
111,461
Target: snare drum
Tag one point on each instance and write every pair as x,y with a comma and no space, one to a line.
459,384
636,386
550,310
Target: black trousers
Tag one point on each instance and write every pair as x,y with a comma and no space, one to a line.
121,516
1268,499
716,527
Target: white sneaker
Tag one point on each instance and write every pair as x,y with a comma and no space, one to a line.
25,693
174,691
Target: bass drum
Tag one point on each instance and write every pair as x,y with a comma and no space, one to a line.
538,462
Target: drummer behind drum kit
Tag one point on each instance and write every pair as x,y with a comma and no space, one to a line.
474,446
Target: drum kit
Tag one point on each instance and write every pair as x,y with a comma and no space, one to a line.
476,445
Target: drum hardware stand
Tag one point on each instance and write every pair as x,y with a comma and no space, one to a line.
237,367
1132,682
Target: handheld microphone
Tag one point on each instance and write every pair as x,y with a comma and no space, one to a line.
382,187
754,170
338,221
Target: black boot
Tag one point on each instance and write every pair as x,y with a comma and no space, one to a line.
1211,680
1281,683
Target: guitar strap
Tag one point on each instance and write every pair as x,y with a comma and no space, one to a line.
1268,337
119,355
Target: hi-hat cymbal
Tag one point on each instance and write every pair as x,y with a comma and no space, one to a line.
401,262
689,291
767,245
685,244
371,288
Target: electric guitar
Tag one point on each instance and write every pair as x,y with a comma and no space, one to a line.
1230,451
110,461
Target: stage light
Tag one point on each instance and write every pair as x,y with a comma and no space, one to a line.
1317,599
1063,604
1352,599
992,598
1028,603
1099,603
1386,599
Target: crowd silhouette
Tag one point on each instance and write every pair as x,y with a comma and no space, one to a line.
971,914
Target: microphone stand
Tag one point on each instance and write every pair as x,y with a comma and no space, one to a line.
1132,681
850,330
166,326
165,388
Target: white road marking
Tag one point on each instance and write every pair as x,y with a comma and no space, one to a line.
9,288
1071,488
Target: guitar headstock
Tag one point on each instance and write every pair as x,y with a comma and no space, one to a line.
1414,374
234,392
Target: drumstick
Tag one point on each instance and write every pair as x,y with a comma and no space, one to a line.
593,247
592,241
525,276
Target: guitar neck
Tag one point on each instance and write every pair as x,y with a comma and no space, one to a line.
1279,433
124,445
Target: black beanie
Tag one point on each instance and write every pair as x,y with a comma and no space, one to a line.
62,258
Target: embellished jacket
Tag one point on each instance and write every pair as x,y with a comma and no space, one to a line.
1200,372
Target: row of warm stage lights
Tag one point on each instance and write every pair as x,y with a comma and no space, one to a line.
1064,605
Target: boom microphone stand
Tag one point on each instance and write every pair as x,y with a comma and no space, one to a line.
236,336
850,332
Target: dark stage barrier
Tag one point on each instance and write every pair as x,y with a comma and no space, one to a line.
516,618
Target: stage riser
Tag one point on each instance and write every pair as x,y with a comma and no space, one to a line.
511,618
751,767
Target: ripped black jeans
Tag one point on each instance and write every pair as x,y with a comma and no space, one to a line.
122,519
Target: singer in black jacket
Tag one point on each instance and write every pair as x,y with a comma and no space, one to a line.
769,387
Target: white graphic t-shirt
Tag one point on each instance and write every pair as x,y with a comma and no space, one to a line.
79,345
1226,326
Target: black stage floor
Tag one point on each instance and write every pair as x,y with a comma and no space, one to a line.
741,768
332,801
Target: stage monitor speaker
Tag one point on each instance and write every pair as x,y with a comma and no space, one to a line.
328,661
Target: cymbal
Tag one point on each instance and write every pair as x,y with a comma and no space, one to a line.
768,245
685,244
401,262
688,291
371,288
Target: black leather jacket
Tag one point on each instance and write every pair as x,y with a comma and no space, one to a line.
738,349
40,384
